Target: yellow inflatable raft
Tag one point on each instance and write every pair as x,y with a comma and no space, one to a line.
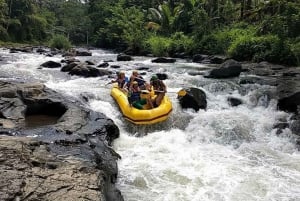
145,116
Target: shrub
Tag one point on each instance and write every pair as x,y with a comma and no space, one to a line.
158,45
264,48
219,41
180,43
60,42
3,34
295,48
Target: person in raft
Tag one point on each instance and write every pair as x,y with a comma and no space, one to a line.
135,97
122,81
159,88
136,77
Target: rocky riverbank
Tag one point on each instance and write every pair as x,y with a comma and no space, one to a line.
69,160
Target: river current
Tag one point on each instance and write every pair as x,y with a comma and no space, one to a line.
223,153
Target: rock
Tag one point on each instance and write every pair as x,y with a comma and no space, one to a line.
198,58
68,67
195,99
228,69
103,65
31,171
124,57
90,63
217,59
70,60
115,66
163,60
162,76
142,68
83,53
88,71
234,101
51,64
69,159
290,103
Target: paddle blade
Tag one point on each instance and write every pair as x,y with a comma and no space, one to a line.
182,92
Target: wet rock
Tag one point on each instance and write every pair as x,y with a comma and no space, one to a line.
124,57
88,71
280,127
162,76
28,49
68,67
228,69
51,64
234,101
83,53
290,103
103,65
163,60
195,98
142,68
90,63
295,124
198,58
70,60
115,66
81,138
217,59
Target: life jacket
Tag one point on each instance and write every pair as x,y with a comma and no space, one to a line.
140,80
134,96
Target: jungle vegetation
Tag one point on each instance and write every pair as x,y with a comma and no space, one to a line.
246,30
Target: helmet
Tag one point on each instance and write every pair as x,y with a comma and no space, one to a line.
153,78
135,82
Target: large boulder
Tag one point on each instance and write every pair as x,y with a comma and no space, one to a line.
30,170
228,69
124,57
194,98
85,70
51,64
290,103
70,158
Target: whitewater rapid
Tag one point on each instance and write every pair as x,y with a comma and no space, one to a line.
223,153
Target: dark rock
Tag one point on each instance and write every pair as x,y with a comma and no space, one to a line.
115,66
83,53
217,59
198,58
70,60
124,57
68,67
51,64
234,101
228,69
290,103
90,63
162,76
88,71
195,98
103,65
163,60
142,68
82,140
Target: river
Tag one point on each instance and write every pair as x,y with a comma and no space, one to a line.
223,153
